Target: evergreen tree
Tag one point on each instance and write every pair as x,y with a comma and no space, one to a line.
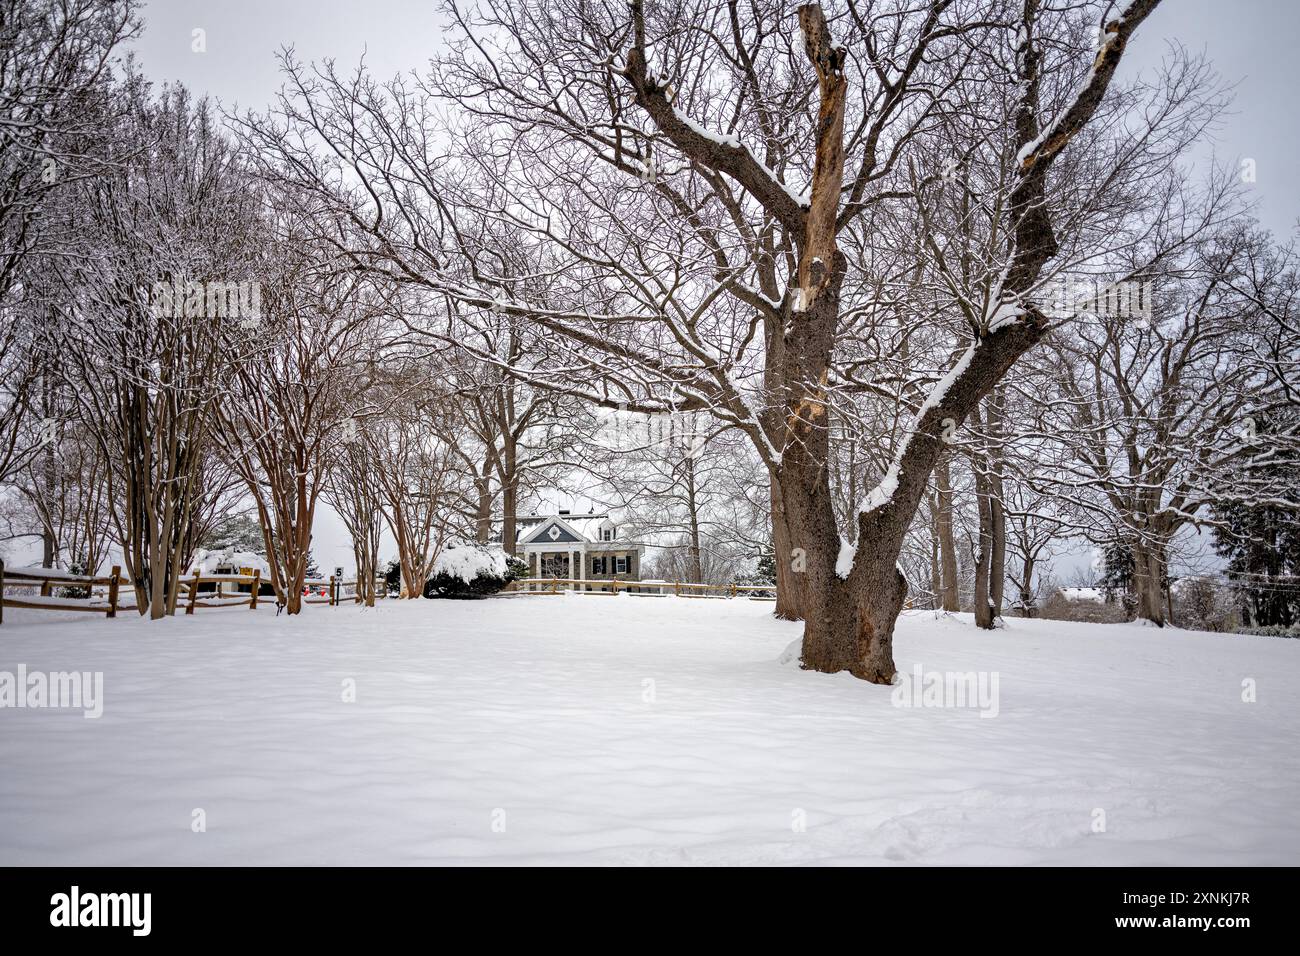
239,532
1260,540
1117,575
393,576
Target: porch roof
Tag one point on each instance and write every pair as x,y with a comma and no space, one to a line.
587,547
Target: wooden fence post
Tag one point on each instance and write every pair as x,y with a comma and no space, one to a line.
733,590
333,599
257,588
114,582
194,593
677,588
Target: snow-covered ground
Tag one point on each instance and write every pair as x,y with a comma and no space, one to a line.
640,730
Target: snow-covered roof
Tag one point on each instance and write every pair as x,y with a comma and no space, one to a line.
1084,595
586,526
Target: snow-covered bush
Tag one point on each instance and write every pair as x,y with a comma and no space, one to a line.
1272,630
470,570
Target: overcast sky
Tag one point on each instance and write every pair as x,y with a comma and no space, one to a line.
1250,42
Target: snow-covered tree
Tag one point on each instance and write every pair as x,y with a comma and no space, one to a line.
696,222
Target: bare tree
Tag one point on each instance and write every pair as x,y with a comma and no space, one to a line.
1155,412
352,488
137,337
420,484
292,390
55,109
657,158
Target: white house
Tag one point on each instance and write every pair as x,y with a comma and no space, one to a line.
579,547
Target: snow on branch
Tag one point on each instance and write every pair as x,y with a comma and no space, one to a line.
726,154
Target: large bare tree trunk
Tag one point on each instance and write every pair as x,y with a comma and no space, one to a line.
1148,581
805,368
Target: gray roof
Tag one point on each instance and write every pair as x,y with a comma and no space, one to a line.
586,525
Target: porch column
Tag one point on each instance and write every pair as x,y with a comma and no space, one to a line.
582,567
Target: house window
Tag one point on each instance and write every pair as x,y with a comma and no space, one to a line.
620,565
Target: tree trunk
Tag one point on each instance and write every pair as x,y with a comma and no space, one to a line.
881,590
1148,582
789,582
1027,607
949,595
696,569
983,551
936,576
483,509
997,511
509,495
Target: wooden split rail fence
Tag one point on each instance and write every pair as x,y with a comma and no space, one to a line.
640,588
44,580
333,586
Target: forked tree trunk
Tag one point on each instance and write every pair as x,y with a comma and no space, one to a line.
849,623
